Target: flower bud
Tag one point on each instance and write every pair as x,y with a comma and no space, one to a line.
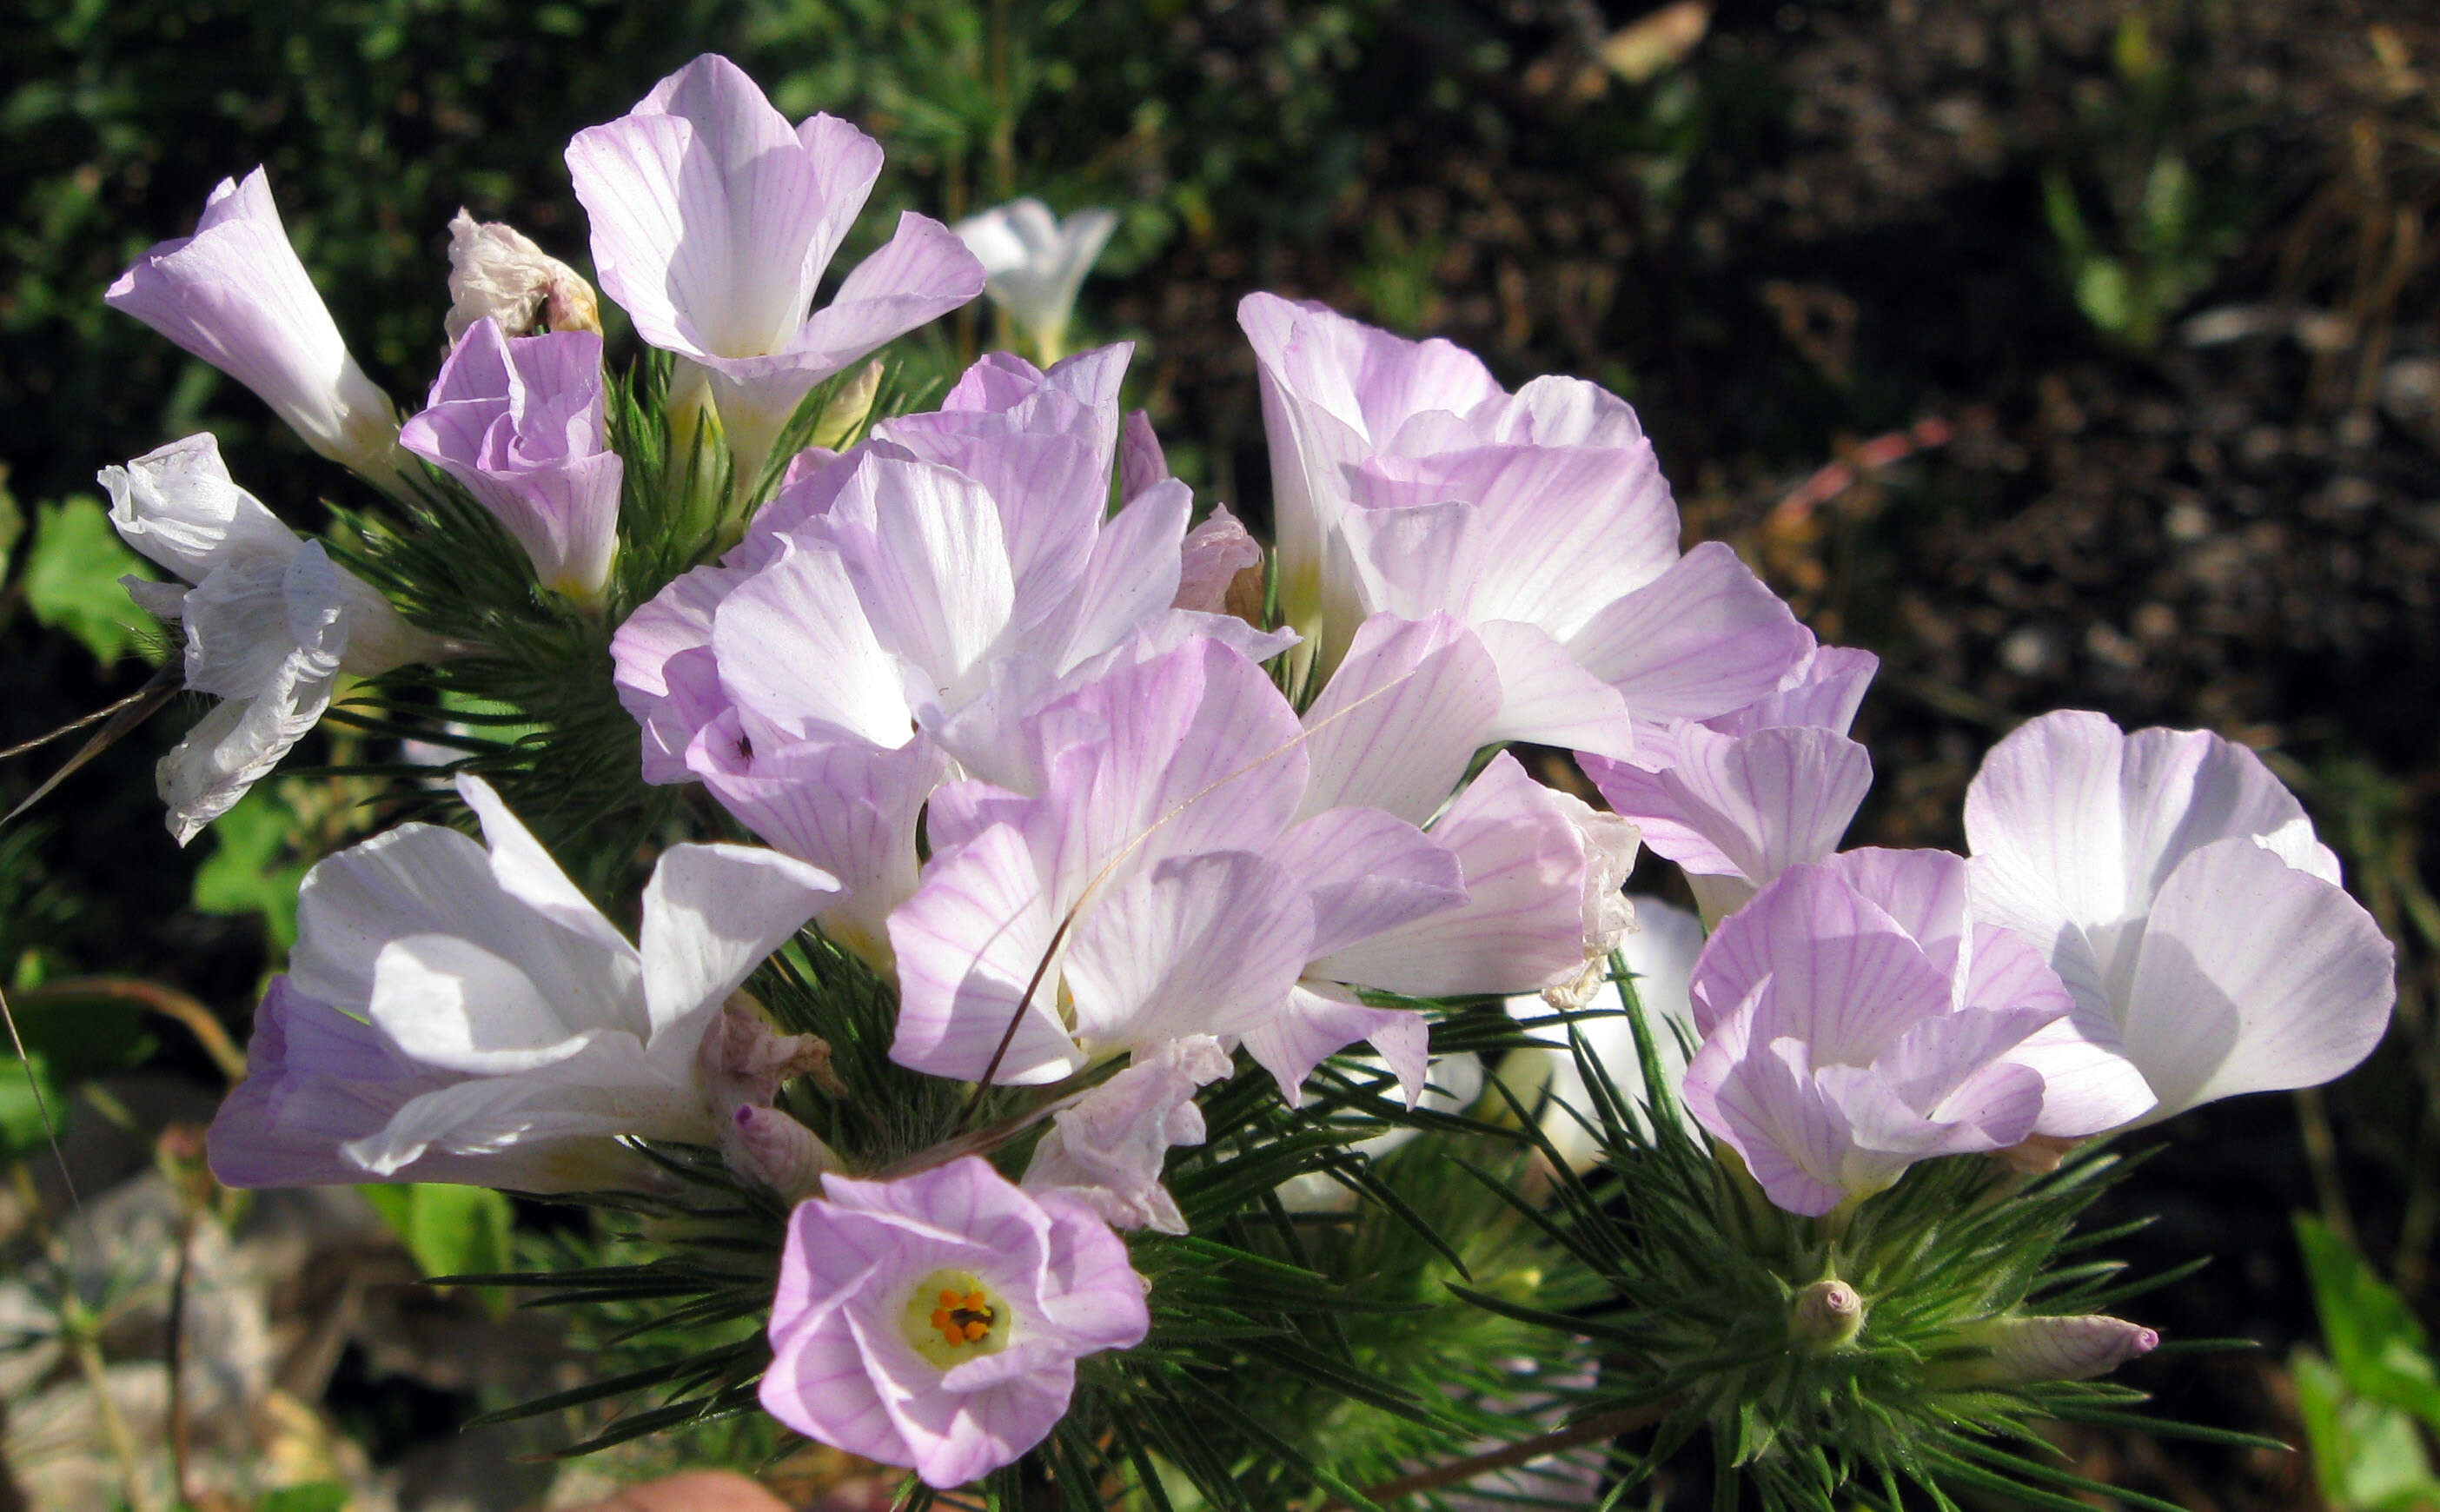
768,1147
848,409
1825,1314
495,270
2025,1350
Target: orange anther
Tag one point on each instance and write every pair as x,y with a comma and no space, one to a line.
976,1330
976,1301
939,1317
948,1298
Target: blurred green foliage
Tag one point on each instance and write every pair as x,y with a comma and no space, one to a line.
2367,1405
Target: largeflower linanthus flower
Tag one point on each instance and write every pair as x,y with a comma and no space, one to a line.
518,420
713,220
1855,1024
2178,890
935,1321
1034,264
491,1007
269,622
1407,480
235,295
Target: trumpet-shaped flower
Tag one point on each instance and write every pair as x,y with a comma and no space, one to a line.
1739,798
269,622
1034,264
935,1320
318,1081
1407,481
1108,1150
518,420
2178,890
496,272
905,601
1854,1024
235,295
506,1011
713,220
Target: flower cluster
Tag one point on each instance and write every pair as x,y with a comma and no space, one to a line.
1019,734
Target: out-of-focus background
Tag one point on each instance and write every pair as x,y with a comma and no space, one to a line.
2079,354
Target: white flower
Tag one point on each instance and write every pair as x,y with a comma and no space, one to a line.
269,621
1034,264
490,966
2177,888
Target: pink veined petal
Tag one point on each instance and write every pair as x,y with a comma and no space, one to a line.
1930,1066
1142,463
1825,689
1703,638
178,505
2088,1086
1749,806
923,546
1212,556
602,1090
1793,1139
969,943
1131,576
849,808
1317,1020
1548,699
816,1384
1558,411
1412,560
676,620
2046,822
1401,717
1205,943
920,275
2184,789
711,914
528,875
797,649
1925,892
1367,872
2253,976
1522,927
1845,978
1559,532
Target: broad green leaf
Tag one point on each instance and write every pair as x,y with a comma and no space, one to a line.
452,1231
72,572
240,877
2367,1456
22,1131
2375,1342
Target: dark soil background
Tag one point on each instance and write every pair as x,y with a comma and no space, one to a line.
1854,265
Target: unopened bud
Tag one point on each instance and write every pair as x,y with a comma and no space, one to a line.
771,1149
848,409
1221,569
2025,1350
1827,1314
496,271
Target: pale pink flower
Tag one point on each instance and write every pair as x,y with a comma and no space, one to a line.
935,1320
235,295
713,220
